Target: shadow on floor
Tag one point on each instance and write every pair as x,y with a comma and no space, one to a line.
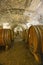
17,55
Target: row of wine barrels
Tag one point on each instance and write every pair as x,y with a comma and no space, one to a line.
25,35
6,37
35,40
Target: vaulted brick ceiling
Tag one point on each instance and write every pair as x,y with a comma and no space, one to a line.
17,4
12,11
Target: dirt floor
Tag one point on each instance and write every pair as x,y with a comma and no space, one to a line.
17,55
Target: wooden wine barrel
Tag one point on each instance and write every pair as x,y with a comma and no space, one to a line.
35,40
6,37
25,35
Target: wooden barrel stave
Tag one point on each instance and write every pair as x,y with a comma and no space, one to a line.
6,37
36,39
1,37
41,37
38,32
33,41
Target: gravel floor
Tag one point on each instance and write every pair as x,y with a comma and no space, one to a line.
17,55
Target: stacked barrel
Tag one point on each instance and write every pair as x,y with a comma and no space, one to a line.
35,41
6,37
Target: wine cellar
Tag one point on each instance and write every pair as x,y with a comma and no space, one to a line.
21,32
